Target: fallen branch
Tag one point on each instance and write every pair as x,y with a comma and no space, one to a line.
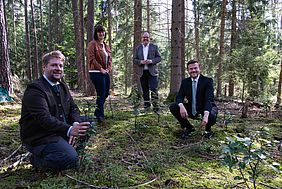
146,183
272,187
23,156
127,162
7,158
188,145
85,183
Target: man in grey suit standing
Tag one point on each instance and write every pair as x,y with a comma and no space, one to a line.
147,56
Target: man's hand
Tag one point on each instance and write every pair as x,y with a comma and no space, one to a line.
183,111
205,119
148,61
79,129
143,61
203,124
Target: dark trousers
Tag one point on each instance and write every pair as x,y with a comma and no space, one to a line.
102,85
149,83
175,110
58,155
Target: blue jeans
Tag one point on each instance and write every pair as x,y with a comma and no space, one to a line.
102,85
58,155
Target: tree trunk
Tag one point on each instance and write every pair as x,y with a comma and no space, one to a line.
197,33
148,15
42,50
221,49
245,109
137,35
35,71
27,42
231,87
81,36
278,102
50,26
5,73
110,40
78,48
126,58
176,45
90,89
14,27
182,31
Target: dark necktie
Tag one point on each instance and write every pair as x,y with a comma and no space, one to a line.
194,89
56,88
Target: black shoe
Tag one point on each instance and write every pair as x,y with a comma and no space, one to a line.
208,134
186,133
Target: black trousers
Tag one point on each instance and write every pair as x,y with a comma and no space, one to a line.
175,110
149,83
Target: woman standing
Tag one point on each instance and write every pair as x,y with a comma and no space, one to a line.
100,64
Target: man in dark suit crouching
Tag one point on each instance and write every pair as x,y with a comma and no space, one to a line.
199,92
50,119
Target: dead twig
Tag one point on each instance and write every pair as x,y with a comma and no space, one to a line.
87,184
127,162
146,183
12,154
272,187
23,156
188,145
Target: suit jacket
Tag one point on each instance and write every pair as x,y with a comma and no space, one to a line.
153,54
96,56
204,95
42,119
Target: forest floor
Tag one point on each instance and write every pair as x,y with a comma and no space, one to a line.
145,150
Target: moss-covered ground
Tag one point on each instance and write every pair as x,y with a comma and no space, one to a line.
139,152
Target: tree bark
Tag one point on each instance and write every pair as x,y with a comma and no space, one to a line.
78,48
176,45
182,30
148,15
126,58
231,87
197,33
278,102
5,72
50,39
90,89
35,42
221,49
110,40
27,42
137,35
41,36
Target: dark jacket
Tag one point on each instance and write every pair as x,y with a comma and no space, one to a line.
43,120
153,54
204,95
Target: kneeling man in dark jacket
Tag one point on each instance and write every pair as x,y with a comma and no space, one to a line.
50,119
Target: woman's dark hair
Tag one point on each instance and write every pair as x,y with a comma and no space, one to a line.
97,29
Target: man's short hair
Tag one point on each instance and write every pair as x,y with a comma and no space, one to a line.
193,61
53,54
